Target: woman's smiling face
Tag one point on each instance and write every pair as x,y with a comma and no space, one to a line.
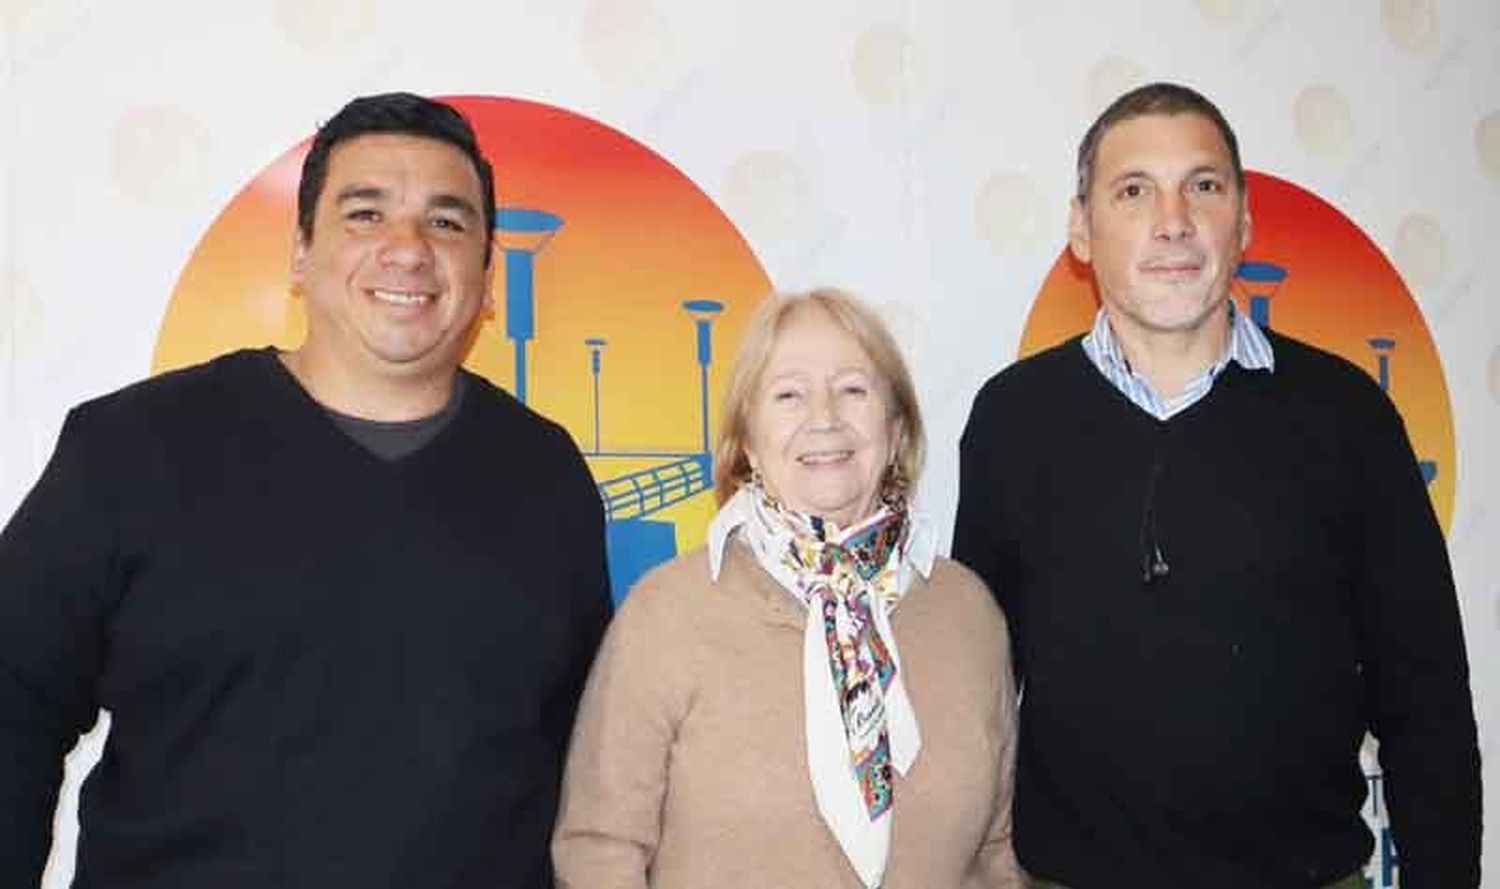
820,424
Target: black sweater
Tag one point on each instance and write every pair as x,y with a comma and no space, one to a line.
324,669
1202,728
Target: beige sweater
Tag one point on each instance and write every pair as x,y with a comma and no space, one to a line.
688,768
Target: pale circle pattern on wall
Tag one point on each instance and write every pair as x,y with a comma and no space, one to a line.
1222,10
1487,143
1324,125
1411,25
1008,212
1420,251
886,65
156,154
767,193
22,314
1109,77
13,12
625,41
325,26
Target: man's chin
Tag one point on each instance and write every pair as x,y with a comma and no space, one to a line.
1178,315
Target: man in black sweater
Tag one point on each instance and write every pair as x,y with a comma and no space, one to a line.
340,601
1218,560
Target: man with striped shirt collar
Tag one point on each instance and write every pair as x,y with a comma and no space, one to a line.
1218,560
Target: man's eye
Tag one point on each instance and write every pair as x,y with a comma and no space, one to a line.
363,215
1132,190
448,224
1209,186
856,389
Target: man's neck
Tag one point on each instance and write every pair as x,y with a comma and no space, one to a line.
1170,359
387,398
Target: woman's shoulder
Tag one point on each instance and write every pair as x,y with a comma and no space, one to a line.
961,596
669,586
959,581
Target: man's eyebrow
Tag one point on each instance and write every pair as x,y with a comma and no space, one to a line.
359,193
445,201
1123,175
1208,167
1197,170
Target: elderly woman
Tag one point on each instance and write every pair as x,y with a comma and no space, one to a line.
816,699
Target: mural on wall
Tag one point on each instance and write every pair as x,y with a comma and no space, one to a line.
1311,273
620,292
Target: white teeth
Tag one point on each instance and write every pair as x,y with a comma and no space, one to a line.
821,457
400,297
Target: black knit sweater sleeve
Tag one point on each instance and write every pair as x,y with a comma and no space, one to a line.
975,529
1413,655
57,573
994,477
582,531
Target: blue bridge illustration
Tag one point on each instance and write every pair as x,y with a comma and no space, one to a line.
1263,279
637,537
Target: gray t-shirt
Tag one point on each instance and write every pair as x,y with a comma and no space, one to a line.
392,440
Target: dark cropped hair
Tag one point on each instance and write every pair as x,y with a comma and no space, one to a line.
402,114
1153,98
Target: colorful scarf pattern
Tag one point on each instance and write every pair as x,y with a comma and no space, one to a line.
859,721
839,575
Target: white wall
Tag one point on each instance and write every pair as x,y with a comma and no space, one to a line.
851,140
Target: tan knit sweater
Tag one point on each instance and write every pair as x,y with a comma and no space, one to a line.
688,768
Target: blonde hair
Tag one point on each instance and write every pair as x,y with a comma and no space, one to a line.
732,466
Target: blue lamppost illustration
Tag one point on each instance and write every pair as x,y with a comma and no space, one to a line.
1266,278
1383,346
596,348
703,312
638,538
521,232
654,479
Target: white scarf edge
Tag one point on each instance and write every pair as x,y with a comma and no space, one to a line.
865,843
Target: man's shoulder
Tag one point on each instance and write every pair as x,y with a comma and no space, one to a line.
537,449
1030,385
503,414
1327,380
1039,373
183,391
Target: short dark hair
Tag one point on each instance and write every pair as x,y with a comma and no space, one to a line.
400,113
1153,98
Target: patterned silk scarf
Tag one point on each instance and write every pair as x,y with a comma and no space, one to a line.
859,720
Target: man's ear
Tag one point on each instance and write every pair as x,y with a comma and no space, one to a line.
489,275
299,259
1245,222
1078,231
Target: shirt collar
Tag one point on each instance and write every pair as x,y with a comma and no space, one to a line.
1247,346
921,545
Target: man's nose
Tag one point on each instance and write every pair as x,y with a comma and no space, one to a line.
406,246
1173,217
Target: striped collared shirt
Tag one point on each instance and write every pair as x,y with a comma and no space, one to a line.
1247,347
